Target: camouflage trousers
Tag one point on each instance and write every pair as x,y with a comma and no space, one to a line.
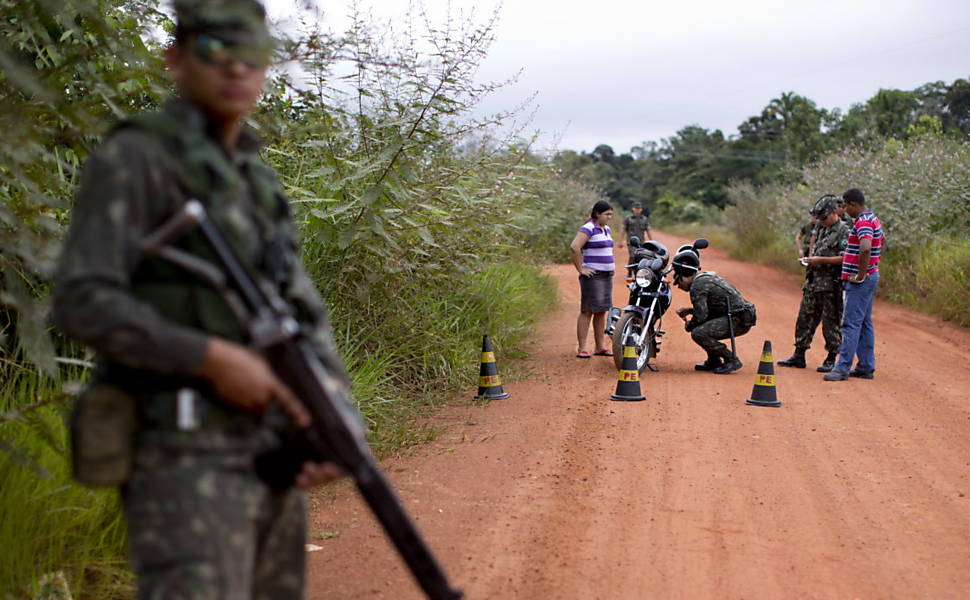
202,526
708,334
824,308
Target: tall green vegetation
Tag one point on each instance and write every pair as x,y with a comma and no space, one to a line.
422,228
920,189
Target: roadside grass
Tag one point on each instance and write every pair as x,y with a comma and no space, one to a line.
428,348
49,524
935,279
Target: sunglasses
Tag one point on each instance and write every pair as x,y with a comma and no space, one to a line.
219,53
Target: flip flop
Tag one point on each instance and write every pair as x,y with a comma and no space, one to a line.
603,353
582,354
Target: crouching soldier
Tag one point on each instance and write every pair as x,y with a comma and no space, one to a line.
714,300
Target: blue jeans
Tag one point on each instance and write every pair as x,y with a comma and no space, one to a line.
858,335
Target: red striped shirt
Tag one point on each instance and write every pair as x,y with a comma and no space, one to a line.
867,226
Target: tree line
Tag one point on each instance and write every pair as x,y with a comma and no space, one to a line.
686,175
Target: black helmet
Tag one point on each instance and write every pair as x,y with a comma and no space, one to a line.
686,263
653,249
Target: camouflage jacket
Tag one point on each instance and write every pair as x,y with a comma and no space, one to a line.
710,294
806,236
149,320
635,226
829,241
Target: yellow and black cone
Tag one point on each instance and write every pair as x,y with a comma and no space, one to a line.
628,380
764,393
489,381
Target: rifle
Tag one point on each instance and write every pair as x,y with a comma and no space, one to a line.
730,316
336,433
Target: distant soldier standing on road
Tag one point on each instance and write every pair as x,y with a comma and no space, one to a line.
707,318
201,522
634,225
822,291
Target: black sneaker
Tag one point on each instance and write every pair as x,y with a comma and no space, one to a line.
730,365
862,374
795,360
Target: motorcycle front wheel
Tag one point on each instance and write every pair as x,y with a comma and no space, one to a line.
630,324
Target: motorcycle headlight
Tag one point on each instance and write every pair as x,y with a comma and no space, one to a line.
644,277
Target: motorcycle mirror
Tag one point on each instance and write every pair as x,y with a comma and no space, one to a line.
634,241
700,244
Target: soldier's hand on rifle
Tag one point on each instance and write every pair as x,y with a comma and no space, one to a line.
245,380
314,474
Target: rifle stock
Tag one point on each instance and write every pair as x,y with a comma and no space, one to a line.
336,433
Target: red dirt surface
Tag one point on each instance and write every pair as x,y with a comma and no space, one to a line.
856,489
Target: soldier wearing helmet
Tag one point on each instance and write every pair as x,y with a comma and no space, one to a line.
822,290
713,301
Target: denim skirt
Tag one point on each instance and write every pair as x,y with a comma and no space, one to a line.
596,292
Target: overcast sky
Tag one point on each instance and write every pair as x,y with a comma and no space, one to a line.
622,72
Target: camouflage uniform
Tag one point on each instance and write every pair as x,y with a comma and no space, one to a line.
201,523
848,221
710,295
822,292
807,230
634,225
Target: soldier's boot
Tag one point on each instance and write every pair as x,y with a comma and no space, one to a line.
731,364
829,363
796,360
713,361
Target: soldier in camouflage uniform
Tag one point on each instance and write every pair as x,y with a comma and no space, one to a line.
201,523
634,225
803,239
822,291
711,297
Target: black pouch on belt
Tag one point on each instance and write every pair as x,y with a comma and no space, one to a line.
102,428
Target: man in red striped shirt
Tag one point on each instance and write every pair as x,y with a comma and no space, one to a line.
860,276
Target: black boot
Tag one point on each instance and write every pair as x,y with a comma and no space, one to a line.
796,360
829,363
710,364
730,364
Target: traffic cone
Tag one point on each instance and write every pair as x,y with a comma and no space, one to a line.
764,393
628,379
489,382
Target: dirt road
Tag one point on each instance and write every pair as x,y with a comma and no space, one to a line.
857,489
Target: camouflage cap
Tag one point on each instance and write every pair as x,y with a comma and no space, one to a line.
238,22
825,206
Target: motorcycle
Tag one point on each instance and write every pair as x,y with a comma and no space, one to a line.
650,297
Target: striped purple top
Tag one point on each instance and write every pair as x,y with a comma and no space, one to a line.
598,249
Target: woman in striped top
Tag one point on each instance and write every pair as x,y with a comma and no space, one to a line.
592,251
